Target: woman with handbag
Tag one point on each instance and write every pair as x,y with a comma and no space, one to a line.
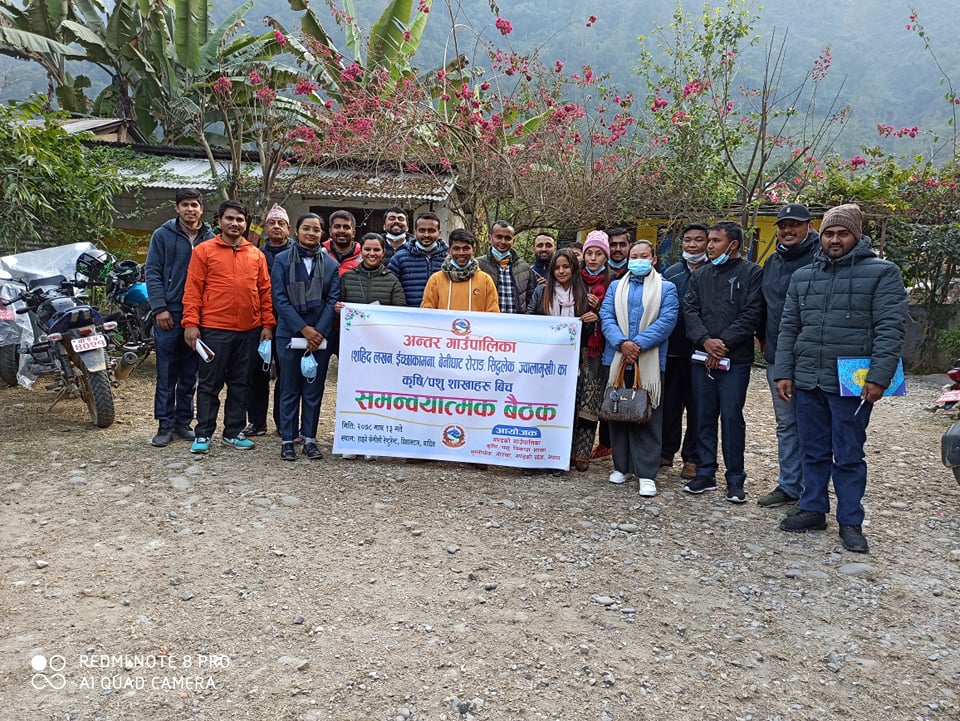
306,287
565,294
637,317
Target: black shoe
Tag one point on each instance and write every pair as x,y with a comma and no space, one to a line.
853,539
701,484
252,430
804,521
736,494
311,451
287,452
184,432
163,438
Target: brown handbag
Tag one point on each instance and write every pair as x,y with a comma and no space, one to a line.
626,405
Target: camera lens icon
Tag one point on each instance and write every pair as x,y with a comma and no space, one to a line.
54,680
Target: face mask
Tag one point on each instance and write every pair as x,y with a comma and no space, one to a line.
694,257
308,367
426,248
639,266
498,255
456,265
617,263
598,271
392,237
720,259
264,350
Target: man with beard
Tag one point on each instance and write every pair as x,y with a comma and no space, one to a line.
342,245
619,245
395,231
544,246
277,228
507,269
460,284
797,243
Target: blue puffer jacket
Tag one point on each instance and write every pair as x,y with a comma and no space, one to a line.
414,267
656,334
853,306
289,320
167,259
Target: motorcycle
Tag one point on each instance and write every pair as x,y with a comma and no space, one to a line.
950,442
70,338
126,293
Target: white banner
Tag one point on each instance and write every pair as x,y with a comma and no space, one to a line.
450,386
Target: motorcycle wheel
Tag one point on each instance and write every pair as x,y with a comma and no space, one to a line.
99,397
9,364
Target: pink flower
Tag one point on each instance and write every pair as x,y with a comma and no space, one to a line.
222,85
424,6
484,85
504,26
591,20
407,35
266,95
558,66
351,73
658,104
280,38
254,78
305,87
445,164
441,75
328,105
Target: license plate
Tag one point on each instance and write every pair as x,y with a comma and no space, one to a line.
949,397
91,342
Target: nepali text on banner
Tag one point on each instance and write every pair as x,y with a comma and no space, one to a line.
457,386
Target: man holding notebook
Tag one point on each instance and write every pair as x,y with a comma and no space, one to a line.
847,304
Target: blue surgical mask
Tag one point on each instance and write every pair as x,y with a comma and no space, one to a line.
694,257
425,248
598,271
720,259
639,266
456,265
265,350
308,367
618,264
498,255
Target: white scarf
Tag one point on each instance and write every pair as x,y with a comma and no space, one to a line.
562,302
648,364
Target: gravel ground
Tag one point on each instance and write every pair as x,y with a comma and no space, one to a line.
157,585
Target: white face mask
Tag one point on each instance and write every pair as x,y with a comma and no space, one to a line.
694,257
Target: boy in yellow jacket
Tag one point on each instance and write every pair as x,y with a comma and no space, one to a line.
458,285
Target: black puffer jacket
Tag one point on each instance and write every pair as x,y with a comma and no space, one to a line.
853,306
362,285
777,272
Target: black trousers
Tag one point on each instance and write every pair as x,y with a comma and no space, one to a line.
230,366
258,394
678,396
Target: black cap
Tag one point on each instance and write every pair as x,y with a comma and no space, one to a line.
794,211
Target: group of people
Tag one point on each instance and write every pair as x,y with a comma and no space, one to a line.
686,336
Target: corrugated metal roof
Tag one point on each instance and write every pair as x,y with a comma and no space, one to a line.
319,183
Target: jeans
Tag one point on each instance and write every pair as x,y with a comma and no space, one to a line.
678,396
722,397
832,434
230,365
177,366
790,478
299,399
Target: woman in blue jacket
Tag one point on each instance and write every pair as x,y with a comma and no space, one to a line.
637,316
306,287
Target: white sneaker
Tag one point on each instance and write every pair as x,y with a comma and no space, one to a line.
617,477
349,456
648,488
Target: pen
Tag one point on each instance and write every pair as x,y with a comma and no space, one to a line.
862,401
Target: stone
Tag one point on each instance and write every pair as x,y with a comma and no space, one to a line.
603,600
855,569
41,563
290,501
451,549
180,483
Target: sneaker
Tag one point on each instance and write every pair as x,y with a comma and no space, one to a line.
776,497
200,445
163,438
252,430
689,471
349,456
287,452
240,443
617,477
648,488
700,484
736,494
853,539
804,521
311,451
184,431
601,451
666,462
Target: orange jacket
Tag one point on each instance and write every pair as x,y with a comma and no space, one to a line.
227,288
